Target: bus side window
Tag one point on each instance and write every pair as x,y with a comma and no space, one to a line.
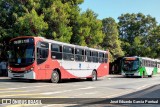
101,57
106,57
42,52
95,56
38,53
143,63
56,51
88,57
79,54
155,64
152,64
146,64
68,53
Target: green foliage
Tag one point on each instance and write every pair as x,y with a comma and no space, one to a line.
53,19
73,2
57,18
62,20
134,30
31,24
154,42
111,40
89,32
10,10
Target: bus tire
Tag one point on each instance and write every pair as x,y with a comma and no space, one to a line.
94,75
150,76
13,78
55,78
32,80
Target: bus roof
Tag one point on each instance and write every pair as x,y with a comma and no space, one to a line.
145,58
61,43
22,37
72,45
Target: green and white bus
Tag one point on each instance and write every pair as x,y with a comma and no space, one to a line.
138,66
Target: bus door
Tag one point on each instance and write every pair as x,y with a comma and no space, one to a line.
42,55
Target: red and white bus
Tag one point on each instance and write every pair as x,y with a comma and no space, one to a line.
37,58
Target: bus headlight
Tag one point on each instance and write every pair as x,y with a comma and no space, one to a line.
9,68
32,68
9,71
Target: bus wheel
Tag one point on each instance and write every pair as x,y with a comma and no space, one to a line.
55,77
94,76
31,80
150,76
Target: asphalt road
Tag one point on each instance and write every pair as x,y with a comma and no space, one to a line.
79,92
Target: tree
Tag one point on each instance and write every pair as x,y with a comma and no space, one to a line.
89,31
10,10
111,40
154,42
75,21
31,24
135,25
57,17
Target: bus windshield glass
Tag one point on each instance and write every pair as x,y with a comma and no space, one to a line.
21,52
130,64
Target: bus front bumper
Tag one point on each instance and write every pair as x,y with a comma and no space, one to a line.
130,74
24,75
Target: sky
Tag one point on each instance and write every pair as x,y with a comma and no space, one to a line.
114,8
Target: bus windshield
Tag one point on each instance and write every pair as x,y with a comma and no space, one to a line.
21,52
130,65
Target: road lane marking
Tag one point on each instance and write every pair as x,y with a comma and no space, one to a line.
57,92
31,95
15,91
85,88
38,86
76,85
12,88
45,93
25,87
12,91
19,95
90,93
23,105
3,88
